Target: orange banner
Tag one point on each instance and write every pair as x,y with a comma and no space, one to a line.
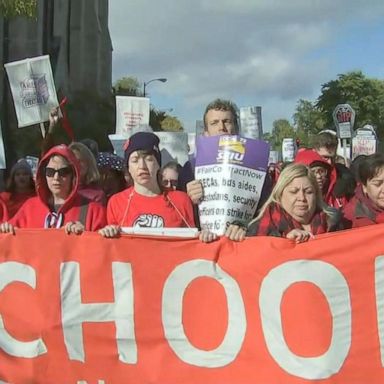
83,309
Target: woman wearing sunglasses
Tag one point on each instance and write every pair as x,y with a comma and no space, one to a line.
58,203
170,175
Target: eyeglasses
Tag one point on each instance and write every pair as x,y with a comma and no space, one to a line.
62,172
169,183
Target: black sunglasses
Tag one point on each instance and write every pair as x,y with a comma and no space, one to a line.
169,182
62,172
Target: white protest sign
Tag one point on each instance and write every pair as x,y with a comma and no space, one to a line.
232,170
33,89
33,163
131,114
273,157
364,141
2,152
173,147
363,146
288,149
250,122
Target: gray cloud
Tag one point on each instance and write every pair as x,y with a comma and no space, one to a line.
249,50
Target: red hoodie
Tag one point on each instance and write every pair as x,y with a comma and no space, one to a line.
308,157
3,211
37,213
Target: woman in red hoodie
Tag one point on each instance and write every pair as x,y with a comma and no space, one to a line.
58,203
325,174
3,211
19,187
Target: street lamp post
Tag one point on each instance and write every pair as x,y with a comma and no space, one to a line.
162,79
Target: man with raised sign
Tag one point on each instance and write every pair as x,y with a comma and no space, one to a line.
220,118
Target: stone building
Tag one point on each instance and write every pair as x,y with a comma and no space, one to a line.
75,34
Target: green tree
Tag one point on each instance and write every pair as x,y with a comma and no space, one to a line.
281,129
127,86
308,120
14,8
365,95
171,124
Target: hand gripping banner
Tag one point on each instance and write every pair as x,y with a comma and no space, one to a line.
83,309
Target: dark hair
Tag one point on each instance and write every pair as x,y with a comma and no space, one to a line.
370,167
325,140
223,105
355,166
172,165
345,184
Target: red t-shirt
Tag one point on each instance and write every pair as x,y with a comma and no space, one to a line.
171,209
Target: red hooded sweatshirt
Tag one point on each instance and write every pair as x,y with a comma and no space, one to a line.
308,157
3,211
37,213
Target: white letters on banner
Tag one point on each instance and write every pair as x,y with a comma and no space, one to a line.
74,313
131,114
335,288
11,272
324,276
172,315
33,89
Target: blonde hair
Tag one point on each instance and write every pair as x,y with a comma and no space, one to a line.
287,175
92,175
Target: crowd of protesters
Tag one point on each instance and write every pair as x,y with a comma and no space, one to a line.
77,188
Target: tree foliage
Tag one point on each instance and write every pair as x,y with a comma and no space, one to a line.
127,86
14,8
171,124
308,120
365,95
281,129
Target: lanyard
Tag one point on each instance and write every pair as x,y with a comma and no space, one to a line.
53,220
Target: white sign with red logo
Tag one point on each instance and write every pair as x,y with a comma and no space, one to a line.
364,142
132,115
344,119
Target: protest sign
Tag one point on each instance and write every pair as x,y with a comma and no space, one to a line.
118,142
363,145
232,170
132,113
344,119
3,164
33,163
273,157
364,142
288,149
83,309
33,89
173,147
191,143
250,122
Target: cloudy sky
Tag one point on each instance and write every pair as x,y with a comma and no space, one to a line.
255,52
